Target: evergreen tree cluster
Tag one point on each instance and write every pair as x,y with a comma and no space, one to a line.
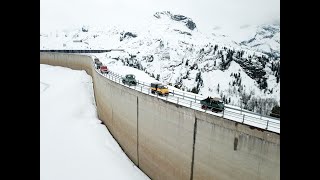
224,98
133,62
275,68
215,48
263,83
275,112
199,81
262,61
229,55
237,81
261,105
178,83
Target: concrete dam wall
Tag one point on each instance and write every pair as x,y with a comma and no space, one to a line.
169,141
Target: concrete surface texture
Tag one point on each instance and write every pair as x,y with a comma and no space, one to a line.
169,141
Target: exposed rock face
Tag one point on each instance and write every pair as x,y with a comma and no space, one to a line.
176,17
266,40
182,32
124,35
85,29
191,25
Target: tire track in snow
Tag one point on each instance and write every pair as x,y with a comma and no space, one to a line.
46,86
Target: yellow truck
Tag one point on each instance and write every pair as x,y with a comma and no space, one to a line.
159,89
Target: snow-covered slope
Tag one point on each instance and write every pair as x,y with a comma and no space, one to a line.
73,142
266,39
262,38
172,49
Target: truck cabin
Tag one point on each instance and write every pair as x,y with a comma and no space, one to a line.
130,76
103,68
155,85
161,86
99,64
214,100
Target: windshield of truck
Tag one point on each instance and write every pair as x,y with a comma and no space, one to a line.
220,104
162,87
130,76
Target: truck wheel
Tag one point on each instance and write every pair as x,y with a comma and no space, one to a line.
204,107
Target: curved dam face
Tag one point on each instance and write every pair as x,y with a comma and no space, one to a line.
169,141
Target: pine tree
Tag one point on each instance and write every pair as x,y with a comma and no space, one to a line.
215,48
275,112
194,90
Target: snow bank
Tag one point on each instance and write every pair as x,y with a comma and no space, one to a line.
73,142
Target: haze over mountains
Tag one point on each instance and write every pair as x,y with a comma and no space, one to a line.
243,68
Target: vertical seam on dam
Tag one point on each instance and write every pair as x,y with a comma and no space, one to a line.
193,146
138,130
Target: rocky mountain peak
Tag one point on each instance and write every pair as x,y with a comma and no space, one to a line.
176,17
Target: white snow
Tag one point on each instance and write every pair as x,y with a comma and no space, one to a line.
162,39
189,99
73,142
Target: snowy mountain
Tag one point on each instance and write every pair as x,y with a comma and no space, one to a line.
266,39
262,38
172,49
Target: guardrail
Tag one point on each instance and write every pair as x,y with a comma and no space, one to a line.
193,101
78,51
82,51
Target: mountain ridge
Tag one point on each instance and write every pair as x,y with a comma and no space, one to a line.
167,49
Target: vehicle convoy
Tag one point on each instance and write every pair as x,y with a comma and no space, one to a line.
104,69
215,104
159,89
129,79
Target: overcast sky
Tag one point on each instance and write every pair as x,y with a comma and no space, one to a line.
62,14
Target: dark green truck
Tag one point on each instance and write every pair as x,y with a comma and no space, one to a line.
129,79
214,104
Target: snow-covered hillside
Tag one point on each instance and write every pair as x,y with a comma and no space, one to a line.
266,39
73,142
172,49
